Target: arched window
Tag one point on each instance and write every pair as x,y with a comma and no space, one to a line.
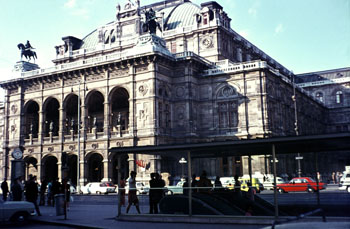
319,96
339,97
228,114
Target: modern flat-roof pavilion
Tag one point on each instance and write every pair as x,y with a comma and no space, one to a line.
271,146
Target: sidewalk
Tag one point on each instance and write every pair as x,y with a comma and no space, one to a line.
104,216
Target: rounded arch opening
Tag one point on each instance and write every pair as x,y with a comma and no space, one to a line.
52,114
119,109
31,166
31,119
49,168
95,167
71,114
95,111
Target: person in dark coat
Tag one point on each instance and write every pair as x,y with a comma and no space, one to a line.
42,192
156,192
194,183
55,189
32,191
16,189
5,189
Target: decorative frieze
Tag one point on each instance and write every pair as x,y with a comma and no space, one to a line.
94,77
119,73
33,87
141,68
54,84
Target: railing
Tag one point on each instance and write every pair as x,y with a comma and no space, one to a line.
236,68
325,82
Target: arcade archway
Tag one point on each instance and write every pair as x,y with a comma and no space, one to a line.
95,168
49,168
31,164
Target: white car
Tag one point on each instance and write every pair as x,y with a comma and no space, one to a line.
98,188
141,188
345,182
17,211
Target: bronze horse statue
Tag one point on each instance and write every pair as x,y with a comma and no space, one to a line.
27,52
151,24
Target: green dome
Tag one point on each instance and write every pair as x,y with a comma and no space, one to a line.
180,15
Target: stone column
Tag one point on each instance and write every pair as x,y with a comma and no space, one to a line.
239,54
41,126
61,124
59,167
82,179
106,119
105,170
39,169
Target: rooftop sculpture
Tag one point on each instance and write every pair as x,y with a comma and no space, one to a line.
27,51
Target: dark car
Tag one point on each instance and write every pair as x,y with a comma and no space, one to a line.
301,184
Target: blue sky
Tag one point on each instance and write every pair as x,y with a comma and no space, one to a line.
302,35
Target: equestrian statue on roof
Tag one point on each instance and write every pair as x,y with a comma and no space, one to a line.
27,51
151,24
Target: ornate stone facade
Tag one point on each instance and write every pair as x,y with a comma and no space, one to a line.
197,81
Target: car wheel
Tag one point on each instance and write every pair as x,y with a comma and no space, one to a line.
98,192
310,190
19,217
348,189
281,190
169,192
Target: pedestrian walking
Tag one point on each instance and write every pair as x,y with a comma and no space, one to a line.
132,196
49,193
66,192
5,189
16,190
31,188
237,186
319,177
334,178
217,183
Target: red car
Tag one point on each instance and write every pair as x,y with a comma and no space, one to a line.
300,184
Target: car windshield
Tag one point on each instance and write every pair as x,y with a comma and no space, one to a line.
312,180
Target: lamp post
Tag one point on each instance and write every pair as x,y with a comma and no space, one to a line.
78,158
294,98
182,161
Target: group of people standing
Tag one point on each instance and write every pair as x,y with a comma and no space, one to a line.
28,188
156,192
31,191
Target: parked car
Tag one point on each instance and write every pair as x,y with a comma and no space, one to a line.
301,184
174,189
17,211
345,182
98,188
141,188
268,183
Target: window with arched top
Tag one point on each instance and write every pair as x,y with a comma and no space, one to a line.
339,97
319,96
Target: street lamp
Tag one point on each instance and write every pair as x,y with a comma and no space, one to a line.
182,161
78,158
294,98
